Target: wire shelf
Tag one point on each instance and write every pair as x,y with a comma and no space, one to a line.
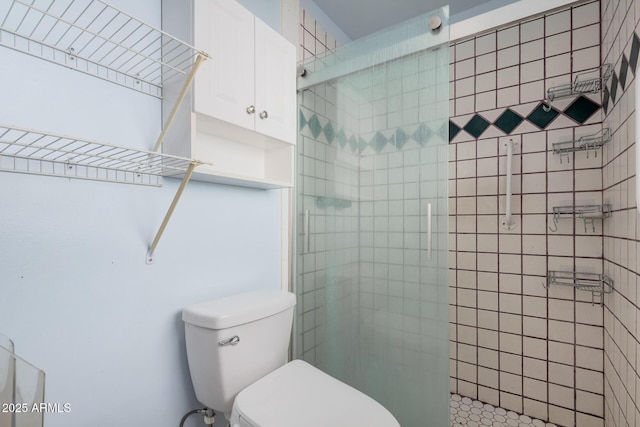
28,151
585,143
597,284
588,213
580,85
97,39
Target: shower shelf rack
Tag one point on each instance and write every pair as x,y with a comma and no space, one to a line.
584,143
588,213
32,152
95,38
579,86
597,284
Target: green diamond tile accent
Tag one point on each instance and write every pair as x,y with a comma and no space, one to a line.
624,68
444,130
635,49
342,138
362,145
329,132
454,129
476,126
401,138
508,121
605,99
353,144
614,87
302,120
542,118
422,134
378,142
315,126
582,108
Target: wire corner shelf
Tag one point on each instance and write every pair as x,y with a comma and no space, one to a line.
597,284
98,39
584,143
33,152
587,213
581,85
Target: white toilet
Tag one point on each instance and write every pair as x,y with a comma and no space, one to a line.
237,351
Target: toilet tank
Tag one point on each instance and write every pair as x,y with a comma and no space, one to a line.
222,365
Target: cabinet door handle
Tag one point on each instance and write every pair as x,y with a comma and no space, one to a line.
251,109
264,115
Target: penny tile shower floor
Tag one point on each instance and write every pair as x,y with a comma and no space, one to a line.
473,413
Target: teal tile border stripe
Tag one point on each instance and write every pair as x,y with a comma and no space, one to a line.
332,133
310,125
581,109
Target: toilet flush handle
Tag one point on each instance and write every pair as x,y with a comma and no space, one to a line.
234,340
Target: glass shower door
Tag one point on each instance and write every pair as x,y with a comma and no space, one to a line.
372,270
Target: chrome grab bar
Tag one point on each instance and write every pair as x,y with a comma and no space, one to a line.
508,222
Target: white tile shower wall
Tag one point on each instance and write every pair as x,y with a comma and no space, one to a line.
620,46
514,343
314,40
328,171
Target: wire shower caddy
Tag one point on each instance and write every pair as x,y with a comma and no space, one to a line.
597,284
581,85
587,213
586,143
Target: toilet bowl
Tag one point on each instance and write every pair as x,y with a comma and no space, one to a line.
298,394
237,350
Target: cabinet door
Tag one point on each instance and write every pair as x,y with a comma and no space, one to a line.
275,84
224,87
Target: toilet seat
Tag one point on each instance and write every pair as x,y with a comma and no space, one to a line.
299,394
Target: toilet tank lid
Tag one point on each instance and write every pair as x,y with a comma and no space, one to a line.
238,309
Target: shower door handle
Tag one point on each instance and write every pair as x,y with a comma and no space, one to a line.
306,225
429,236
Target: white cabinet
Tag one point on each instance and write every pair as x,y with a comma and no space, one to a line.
240,114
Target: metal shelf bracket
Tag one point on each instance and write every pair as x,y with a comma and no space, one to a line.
183,92
150,258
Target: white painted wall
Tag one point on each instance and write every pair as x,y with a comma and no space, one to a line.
75,293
